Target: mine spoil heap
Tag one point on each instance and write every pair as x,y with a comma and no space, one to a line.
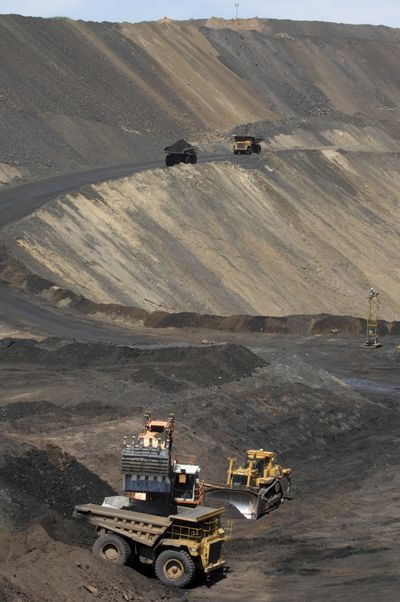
137,285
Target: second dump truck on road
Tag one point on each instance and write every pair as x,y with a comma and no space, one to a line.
180,152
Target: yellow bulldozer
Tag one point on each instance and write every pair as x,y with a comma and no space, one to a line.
256,487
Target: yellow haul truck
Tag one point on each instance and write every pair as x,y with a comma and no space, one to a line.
176,545
246,145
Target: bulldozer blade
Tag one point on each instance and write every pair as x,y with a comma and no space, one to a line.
247,502
252,503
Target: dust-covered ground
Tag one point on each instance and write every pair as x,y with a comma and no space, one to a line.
328,406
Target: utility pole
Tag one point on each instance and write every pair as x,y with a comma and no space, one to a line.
373,319
236,9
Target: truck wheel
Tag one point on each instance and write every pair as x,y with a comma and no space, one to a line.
113,548
174,568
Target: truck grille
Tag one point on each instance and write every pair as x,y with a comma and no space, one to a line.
215,552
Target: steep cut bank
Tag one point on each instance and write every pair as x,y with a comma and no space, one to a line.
294,236
74,95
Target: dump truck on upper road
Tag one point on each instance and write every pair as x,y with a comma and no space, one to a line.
176,545
246,145
180,152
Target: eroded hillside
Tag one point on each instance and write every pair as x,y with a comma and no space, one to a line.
293,233
76,94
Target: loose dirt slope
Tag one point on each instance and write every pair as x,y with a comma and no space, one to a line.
294,235
75,94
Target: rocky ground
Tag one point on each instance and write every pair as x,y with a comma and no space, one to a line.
328,406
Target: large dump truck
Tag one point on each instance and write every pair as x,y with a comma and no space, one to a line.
255,488
246,145
180,152
176,546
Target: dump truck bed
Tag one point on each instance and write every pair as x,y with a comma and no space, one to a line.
240,138
141,527
146,529
194,515
128,515
198,514
180,146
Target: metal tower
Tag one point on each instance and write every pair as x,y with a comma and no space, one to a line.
373,319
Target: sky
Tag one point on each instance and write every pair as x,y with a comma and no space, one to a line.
382,12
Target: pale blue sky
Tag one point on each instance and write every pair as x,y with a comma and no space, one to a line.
386,12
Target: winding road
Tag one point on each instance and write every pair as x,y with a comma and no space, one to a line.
21,311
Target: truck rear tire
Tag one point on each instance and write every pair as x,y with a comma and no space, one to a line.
174,567
112,548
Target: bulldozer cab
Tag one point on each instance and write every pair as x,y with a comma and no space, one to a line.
260,468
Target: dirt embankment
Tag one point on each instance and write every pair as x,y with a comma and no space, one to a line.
293,236
75,95
17,276
172,368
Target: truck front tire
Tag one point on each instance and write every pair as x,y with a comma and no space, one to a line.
112,548
174,567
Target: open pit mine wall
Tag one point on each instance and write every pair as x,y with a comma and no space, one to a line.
76,94
295,236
